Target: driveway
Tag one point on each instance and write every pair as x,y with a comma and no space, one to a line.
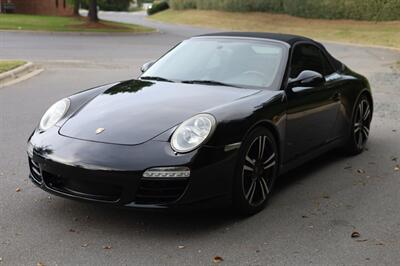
309,220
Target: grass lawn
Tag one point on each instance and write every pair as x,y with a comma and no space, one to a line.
53,23
9,65
360,32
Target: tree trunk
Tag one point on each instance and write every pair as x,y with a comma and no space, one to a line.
93,11
77,4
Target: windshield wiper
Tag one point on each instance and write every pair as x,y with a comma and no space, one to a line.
208,82
156,78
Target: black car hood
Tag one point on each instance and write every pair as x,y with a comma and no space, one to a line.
136,111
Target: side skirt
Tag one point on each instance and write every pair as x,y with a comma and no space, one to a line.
290,165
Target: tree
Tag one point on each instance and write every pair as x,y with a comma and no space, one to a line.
77,4
93,17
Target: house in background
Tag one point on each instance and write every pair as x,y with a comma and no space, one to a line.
38,7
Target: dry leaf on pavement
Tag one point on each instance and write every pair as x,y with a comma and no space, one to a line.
218,259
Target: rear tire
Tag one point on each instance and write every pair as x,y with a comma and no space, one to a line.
256,172
360,126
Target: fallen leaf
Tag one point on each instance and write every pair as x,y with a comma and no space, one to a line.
84,245
397,168
360,171
17,189
1,259
394,159
355,234
39,264
107,247
218,259
181,247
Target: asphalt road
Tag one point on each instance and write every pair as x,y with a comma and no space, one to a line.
309,220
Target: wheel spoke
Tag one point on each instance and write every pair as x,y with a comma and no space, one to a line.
269,165
248,168
250,193
250,161
365,131
269,158
366,113
262,189
261,146
264,185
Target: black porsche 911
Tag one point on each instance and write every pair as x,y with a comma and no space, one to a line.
213,122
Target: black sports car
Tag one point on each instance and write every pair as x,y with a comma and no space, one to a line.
214,121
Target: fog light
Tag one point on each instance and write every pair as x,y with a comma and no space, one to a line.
167,172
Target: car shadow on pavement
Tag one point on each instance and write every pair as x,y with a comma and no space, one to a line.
306,170
188,223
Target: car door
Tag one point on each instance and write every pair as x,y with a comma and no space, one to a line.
311,110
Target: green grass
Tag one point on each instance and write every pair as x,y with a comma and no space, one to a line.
350,31
9,65
69,24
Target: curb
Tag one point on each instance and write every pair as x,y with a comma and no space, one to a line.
84,33
18,74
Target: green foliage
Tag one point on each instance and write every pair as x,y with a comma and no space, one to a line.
326,9
157,7
229,5
109,5
112,5
344,9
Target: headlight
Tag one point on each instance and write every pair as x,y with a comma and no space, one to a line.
192,133
54,114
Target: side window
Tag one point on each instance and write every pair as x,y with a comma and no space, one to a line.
306,57
328,69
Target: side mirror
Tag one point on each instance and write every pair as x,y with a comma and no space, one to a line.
306,79
146,66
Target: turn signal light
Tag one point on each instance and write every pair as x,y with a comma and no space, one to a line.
167,172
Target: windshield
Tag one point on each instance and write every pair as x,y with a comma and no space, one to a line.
236,62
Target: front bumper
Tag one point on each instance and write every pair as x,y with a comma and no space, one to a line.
112,174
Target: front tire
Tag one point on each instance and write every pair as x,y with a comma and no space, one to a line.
360,126
256,172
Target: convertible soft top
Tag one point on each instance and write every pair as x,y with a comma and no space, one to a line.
287,38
